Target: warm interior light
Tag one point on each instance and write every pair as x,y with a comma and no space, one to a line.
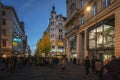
4,56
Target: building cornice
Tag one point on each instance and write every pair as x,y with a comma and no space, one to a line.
70,18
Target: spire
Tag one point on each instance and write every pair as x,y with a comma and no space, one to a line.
53,9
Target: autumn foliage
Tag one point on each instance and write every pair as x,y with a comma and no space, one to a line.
44,45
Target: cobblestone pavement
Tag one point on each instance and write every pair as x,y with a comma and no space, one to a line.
73,72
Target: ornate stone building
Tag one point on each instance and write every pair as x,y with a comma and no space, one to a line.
92,28
57,32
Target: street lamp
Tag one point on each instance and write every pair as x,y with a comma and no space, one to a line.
88,8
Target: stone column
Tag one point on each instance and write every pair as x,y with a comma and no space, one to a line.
68,49
78,47
85,44
81,49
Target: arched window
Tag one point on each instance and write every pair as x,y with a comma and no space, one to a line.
94,9
82,3
106,3
82,20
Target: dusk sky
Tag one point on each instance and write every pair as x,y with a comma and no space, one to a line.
35,14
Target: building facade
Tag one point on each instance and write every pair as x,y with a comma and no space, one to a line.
92,28
57,32
13,38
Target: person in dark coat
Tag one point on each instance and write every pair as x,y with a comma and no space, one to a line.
74,61
87,65
93,64
113,70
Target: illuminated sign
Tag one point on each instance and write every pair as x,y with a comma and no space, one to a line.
15,44
17,39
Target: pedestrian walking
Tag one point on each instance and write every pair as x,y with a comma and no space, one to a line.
113,71
87,65
63,64
74,61
93,64
98,69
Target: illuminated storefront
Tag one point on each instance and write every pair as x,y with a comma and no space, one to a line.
101,39
98,32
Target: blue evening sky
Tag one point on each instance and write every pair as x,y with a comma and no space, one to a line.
35,14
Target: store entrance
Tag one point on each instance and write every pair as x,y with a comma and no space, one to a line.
104,55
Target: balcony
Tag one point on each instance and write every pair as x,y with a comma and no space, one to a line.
73,29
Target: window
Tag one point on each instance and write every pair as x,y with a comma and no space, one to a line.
3,32
92,39
52,29
82,20
52,16
52,23
60,24
3,13
60,30
52,35
3,43
94,9
71,2
102,36
108,35
106,3
82,3
99,35
60,36
3,22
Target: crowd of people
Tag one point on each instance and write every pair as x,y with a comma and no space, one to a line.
11,64
52,62
108,70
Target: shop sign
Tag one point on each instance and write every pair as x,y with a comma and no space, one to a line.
60,43
15,43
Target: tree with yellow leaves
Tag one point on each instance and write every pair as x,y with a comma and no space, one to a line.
44,44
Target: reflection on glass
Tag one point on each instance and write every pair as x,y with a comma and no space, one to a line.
103,36
92,38
100,37
108,36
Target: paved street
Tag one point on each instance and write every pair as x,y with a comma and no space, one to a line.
73,72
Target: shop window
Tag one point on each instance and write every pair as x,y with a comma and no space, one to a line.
102,36
92,39
53,48
99,35
108,36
